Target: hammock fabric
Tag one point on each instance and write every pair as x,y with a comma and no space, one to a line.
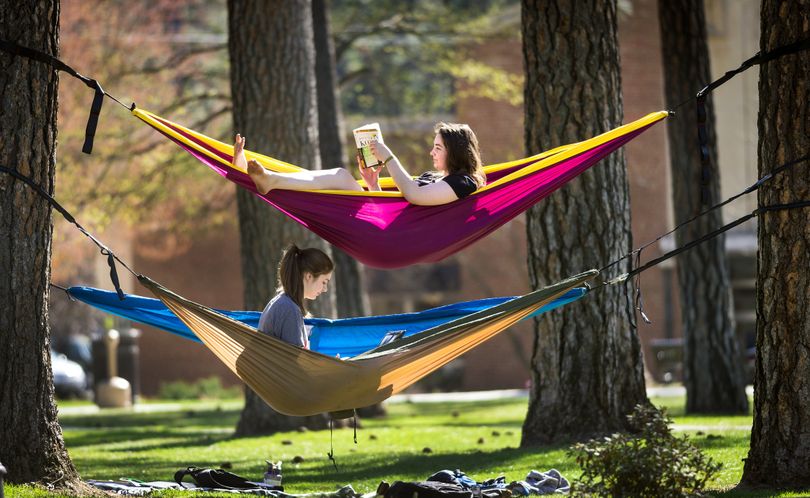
347,337
382,229
299,382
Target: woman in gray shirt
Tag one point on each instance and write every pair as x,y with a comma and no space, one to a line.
302,274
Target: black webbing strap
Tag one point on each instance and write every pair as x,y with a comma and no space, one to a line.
703,136
765,178
92,119
111,257
705,160
331,453
98,99
710,235
759,58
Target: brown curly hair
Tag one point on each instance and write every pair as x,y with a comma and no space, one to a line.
463,154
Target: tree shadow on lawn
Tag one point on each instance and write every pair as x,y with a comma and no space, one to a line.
720,441
462,407
175,438
514,426
419,466
753,492
206,417
153,469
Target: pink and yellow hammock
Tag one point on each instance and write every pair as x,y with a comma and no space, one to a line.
382,229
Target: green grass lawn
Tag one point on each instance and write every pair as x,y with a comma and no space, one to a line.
415,440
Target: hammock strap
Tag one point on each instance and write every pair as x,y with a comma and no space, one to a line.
331,453
712,234
758,58
111,257
703,135
765,178
98,98
355,425
639,304
66,291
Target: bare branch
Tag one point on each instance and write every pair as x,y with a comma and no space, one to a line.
174,60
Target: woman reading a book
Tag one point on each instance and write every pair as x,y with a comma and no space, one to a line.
303,274
456,159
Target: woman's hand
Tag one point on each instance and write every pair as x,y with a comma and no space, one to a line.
380,150
370,175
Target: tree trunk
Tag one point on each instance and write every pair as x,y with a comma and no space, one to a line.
587,372
780,453
349,284
712,363
31,444
274,100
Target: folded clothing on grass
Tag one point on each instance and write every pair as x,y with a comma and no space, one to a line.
456,484
133,487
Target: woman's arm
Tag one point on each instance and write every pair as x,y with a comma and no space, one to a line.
433,194
427,195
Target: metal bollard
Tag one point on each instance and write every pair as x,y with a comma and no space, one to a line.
2,473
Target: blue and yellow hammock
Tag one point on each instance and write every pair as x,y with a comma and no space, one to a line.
346,337
301,382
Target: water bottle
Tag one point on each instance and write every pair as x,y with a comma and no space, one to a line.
272,477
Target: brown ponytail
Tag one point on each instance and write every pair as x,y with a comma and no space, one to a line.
294,263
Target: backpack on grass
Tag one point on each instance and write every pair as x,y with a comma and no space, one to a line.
218,479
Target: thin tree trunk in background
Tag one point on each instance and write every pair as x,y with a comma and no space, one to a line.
274,100
713,374
349,284
779,456
31,445
349,281
587,372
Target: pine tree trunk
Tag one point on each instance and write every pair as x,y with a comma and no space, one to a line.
587,370
780,453
274,99
351,296
713,374
31,445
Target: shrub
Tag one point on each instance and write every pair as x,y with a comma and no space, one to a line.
208,388
648,462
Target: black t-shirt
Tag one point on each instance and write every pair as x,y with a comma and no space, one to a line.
463,185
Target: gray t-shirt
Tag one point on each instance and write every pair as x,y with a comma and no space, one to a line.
282,319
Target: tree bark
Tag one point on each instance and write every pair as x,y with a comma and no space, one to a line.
31,444
351,297
274,99
349,282
587,372
780,450
713,374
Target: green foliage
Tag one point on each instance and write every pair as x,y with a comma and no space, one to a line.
208,388
650,462
416,58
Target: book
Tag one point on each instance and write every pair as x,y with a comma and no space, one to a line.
363,136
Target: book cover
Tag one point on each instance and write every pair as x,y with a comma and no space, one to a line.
364,135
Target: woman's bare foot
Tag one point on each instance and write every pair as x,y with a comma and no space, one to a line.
239,160
260,176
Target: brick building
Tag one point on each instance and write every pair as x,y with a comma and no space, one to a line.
207,269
